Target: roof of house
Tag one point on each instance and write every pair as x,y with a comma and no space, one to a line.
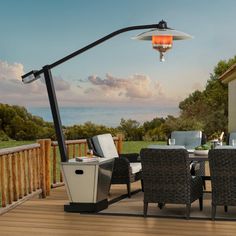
229,75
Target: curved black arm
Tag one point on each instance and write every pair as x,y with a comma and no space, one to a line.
91,45
46,70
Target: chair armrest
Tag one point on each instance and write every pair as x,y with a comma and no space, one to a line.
227,139
121,168
131,157
168,137
194,167
204,139
197,168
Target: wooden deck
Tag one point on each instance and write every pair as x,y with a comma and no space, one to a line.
46,217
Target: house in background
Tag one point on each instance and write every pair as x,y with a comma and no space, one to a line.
229,77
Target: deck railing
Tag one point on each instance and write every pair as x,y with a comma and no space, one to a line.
34,169
21,173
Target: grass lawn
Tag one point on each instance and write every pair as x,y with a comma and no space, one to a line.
128,147
136,146
6,144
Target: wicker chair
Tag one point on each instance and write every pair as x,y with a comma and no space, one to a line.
123,172
223,178
127,167
167,179
191,139
230,137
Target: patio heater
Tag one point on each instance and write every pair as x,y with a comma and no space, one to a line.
88,184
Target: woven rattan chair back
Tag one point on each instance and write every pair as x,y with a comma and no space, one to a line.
223,177
167,179
166,175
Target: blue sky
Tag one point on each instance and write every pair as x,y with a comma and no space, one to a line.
122,71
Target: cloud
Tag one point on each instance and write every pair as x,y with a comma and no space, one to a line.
59,83
11,72
12,90
136,86
89,90
134,90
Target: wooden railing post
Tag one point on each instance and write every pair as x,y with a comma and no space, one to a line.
14,177
120,143
19,176
2,181
47,143
9,178
42,167
24,161
54,164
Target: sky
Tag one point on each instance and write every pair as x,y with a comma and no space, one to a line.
121,71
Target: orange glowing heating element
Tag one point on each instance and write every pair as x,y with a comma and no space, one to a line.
162,40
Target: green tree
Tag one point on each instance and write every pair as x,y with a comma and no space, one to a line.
156,122
208,108
131,129
17,123
153,130
87,130
3,136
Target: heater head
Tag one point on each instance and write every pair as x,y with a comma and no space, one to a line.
162,37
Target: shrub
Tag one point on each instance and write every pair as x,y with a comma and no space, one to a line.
3,136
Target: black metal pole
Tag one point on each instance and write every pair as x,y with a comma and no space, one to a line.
55,112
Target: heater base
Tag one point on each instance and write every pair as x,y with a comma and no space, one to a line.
86,207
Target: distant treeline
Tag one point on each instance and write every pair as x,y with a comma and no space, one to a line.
18,124
205,110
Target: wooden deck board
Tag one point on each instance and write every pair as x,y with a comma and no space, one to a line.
46,217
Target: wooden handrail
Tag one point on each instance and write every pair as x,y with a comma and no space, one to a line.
6,151
77,141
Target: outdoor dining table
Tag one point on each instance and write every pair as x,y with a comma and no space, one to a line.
200,158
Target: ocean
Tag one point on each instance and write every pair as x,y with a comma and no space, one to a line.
108,116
